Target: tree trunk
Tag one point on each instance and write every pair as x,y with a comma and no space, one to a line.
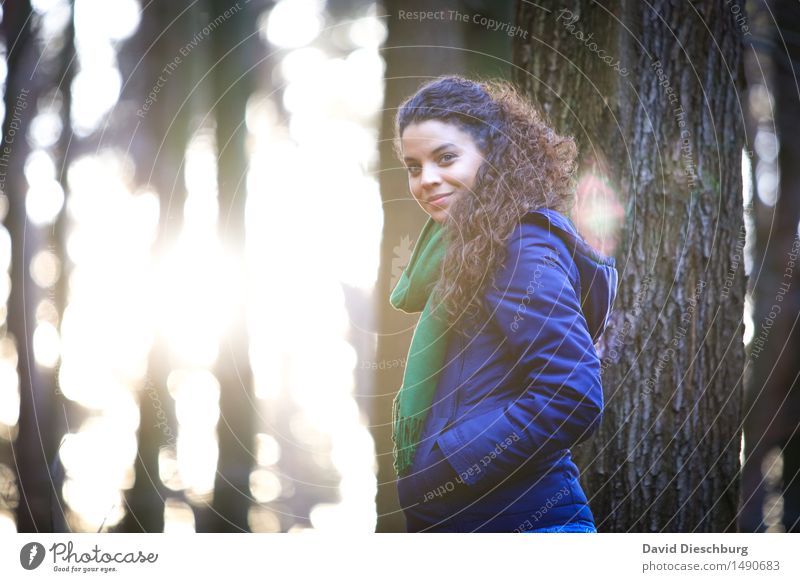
231,64
157,145
771,471
36,440
657,115
63,157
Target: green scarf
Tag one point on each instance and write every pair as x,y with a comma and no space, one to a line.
428,344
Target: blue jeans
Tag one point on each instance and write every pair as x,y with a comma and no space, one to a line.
574,527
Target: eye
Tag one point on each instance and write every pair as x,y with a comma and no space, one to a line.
413,170
450,158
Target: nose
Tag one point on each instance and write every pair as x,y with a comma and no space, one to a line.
430,176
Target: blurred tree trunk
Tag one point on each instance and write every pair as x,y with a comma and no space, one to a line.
209,83
232,83
658,115
771,481
36,441
160,136
63,158
409,63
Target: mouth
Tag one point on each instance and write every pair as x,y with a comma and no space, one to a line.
437,198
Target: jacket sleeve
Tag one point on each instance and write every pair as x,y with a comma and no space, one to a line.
560,402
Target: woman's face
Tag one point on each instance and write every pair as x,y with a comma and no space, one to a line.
442,162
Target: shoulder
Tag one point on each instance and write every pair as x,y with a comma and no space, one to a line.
545,225
543,236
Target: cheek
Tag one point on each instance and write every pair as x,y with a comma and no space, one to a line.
467,175
413,186
474,171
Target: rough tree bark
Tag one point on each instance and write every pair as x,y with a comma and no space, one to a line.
658,114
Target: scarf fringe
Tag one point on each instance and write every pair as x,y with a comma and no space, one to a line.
405,434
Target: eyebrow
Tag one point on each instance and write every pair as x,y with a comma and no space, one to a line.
433,153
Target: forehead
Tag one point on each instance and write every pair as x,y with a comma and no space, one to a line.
426,136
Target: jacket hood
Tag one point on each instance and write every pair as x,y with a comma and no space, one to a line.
597,273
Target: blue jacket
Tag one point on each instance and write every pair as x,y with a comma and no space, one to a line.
514,396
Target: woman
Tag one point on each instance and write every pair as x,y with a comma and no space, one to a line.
502,376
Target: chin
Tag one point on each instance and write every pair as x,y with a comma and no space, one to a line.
439,216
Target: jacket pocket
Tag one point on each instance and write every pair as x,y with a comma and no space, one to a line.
412,487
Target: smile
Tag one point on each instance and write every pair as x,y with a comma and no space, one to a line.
438,198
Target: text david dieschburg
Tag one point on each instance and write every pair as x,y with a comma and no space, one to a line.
694,549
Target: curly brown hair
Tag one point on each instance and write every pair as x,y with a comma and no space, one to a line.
526,166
